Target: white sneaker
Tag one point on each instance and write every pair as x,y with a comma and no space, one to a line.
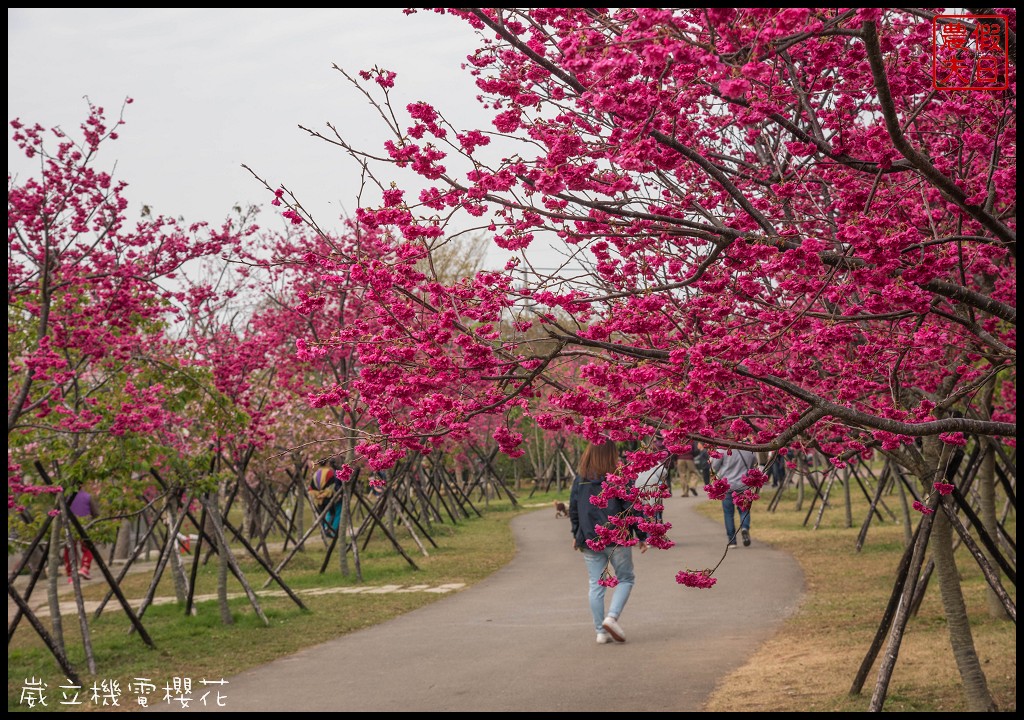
604,638
611,625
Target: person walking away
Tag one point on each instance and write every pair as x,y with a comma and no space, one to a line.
83,505
687,470
702,461
598,460
777,471
732,467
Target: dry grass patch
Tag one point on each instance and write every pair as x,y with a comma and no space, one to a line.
811,664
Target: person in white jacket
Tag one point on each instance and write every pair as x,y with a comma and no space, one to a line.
732,467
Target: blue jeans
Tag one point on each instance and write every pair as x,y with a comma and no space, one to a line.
621,559
729,508
331,520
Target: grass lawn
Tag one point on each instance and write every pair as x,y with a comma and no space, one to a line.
809,666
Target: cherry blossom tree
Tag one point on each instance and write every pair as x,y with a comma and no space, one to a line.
100,387
776,231
91,299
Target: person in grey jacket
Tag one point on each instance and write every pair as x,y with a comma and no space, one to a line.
732,467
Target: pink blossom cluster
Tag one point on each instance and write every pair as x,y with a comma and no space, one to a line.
701,579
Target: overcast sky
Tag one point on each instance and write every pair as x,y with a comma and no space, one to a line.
217,88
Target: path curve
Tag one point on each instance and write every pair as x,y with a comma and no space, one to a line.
522,639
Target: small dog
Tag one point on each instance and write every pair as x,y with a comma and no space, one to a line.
560,509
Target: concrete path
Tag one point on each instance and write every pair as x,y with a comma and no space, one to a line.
522,640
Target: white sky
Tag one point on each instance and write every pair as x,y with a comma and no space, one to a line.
216,88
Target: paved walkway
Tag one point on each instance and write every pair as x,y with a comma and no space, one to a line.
522,640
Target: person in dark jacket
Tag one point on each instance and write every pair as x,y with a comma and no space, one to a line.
702,461
601,542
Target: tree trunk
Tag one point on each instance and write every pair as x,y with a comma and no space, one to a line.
986,480
213,513
908,530
177,570
124,543
166,553
52,578
83,622
976,692
300,514
252,520
802,483
847,499
409,526
897,629
926,464
344,539
230,563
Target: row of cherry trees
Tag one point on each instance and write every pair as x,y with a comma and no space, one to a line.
164,368
777,232
91,296
142,349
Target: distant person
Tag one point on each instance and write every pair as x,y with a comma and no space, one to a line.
83,505
322,488
702,462
687,469
651,484
669,463
656,480
597,462
732,467
378,483
777,471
